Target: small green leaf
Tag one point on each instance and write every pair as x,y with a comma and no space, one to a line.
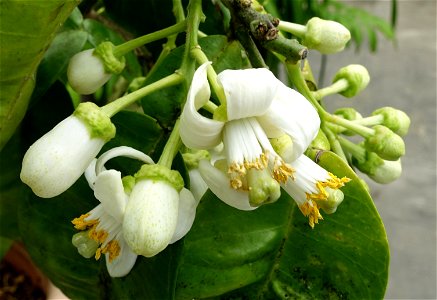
273,253
23,45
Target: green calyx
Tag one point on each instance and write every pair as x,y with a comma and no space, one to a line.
321,142
263,189
357,77
370,164
128,183
221,113
191,159
113,64
395,119
86,246
97,122
387,144
160,173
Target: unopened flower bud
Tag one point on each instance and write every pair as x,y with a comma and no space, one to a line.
152,210
56,160
325,36
335,198
381,171
321,142
91,69
347,113
357,77
387,144
395,119
263,189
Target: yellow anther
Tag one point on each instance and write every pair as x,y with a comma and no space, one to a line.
82,224
236,183
282,171
113,248
311,210
334,182
98,253
99,236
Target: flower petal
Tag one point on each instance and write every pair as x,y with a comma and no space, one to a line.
186,214
124,262
121,151
108,189
197,131
293,114
248,92
219,185
198,186
90,173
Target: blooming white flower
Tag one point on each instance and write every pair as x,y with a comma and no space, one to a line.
56,160
105,223
258,107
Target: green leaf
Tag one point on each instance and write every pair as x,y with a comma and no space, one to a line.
27,28
273,253
5,245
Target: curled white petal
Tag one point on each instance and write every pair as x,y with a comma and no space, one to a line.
55,161
121,151
150,217
219,185
197,185
294,115
248,92
186,214
124,262
196,131
108,189
90,173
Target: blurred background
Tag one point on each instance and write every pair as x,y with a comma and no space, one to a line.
403,75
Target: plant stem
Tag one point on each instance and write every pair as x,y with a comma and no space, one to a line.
114,107
358,152
124,48
333,140
336,87
293,28
171,148
351,125
210,107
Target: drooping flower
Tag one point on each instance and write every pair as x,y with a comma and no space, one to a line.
104,225
56,160
258,107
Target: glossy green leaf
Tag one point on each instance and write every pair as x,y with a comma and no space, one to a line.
272,252
27,28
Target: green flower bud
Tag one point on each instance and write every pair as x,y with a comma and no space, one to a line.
321,142
335,198
381,171
387,144
325,36
357,77
395,119
347,113
283,145
263,188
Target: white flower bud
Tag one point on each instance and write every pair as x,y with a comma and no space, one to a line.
56,160
86,72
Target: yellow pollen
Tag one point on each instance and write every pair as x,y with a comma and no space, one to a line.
311,210
333,182
237,172
98,253
113,248
82,224
282,171
98,235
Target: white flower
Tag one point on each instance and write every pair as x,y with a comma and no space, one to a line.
56,160
160,210
258,107
313,187
105,223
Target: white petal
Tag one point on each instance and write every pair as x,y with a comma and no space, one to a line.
197,131
55,161
108,189
90,173
197,185
121,151
151,216
124,262
186,214
219,185
293,114
248,92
